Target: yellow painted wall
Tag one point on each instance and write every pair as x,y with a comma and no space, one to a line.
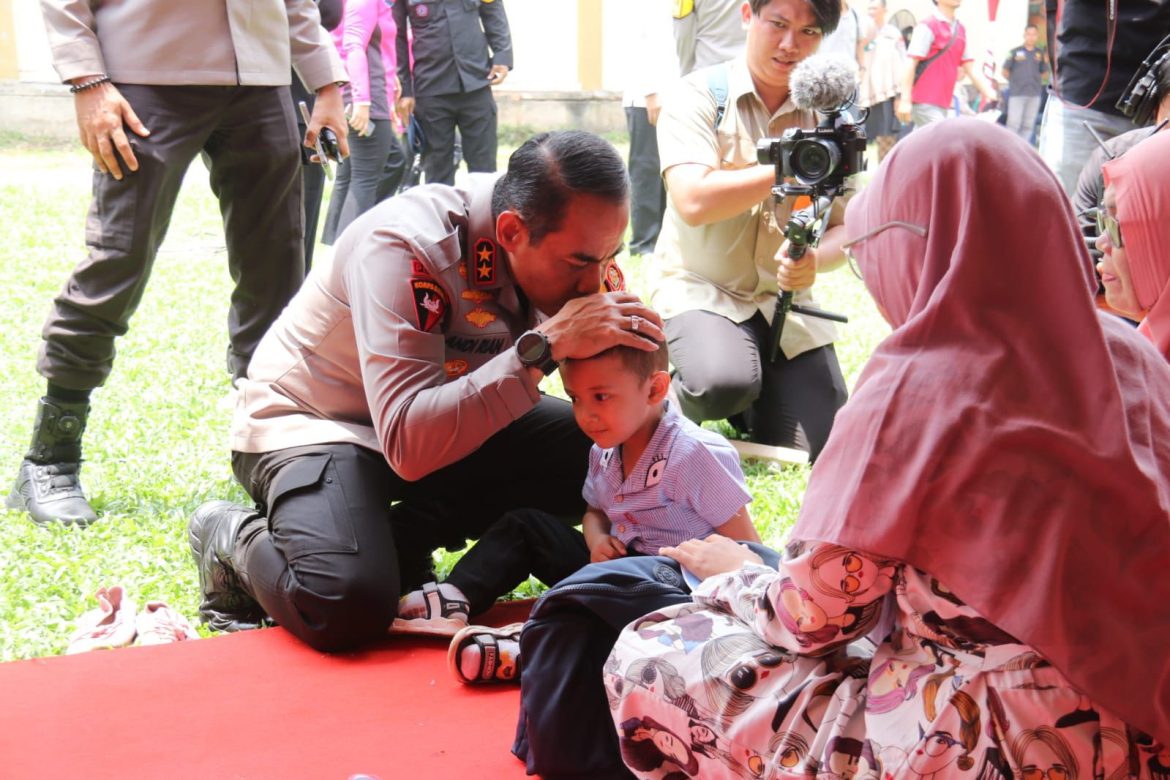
588,43
9,69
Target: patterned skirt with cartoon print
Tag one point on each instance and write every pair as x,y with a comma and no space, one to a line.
695,691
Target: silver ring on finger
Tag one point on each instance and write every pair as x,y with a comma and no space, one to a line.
635,322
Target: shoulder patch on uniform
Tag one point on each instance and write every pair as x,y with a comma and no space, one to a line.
680,9
485,262
430,303
615,280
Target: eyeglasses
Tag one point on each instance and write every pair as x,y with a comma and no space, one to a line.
939,742
1107,225
1055,772
847,247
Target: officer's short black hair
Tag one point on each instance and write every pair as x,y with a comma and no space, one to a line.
549,168
641,363
826,12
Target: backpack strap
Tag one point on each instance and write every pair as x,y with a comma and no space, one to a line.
717,86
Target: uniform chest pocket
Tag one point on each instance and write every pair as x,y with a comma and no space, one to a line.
735,152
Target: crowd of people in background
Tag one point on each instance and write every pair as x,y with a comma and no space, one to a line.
976,573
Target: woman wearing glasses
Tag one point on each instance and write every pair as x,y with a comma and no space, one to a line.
989,516
1134,237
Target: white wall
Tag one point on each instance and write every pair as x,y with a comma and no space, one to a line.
545,41
32,47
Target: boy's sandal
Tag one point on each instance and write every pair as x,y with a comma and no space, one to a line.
495,666
445,617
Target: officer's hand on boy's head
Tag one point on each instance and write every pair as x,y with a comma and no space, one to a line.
593,323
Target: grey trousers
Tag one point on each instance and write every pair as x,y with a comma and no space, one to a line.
359,178
1065,142
249,137
1021,115
721,371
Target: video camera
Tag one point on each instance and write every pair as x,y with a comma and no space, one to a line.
819,159
814,163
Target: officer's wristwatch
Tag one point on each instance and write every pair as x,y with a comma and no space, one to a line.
535,352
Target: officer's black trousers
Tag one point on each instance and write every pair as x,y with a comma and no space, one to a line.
474,113
330,556
647,192
248,136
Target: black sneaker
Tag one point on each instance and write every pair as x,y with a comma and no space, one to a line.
212,532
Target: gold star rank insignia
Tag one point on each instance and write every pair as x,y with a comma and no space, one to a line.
485,262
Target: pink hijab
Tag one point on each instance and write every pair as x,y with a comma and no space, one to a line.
1005,438
1141,179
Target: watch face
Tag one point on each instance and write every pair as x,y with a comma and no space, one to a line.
532,347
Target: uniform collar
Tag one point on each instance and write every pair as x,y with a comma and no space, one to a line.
487,266
739,84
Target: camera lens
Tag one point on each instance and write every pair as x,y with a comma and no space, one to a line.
813,159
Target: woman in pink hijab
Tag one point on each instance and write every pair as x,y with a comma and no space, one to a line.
1135,268
990,518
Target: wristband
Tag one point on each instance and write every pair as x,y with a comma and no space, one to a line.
102,79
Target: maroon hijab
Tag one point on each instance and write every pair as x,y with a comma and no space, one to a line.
1005,438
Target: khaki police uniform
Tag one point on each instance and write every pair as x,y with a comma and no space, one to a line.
715,284
392,376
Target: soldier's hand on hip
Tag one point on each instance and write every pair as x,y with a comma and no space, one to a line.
102,118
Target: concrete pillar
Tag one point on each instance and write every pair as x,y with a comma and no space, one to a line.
588,43
9,67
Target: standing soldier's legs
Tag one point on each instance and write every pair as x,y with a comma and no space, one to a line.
436,116
256,174
127,222
477,128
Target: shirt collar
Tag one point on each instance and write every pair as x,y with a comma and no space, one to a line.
486,262
740,84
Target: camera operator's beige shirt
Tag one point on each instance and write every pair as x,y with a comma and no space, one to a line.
729,267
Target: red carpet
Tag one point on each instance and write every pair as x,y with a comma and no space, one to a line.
257,704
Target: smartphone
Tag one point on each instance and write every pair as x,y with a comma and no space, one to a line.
326,147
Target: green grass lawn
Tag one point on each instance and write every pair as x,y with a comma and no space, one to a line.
156,445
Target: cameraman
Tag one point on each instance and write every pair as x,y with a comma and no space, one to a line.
720,254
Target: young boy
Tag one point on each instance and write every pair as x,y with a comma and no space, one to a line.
655,479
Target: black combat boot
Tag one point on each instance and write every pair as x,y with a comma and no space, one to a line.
48,485
212,532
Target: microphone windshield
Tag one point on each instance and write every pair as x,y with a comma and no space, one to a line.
823,82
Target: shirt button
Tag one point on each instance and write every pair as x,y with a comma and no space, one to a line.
619,499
